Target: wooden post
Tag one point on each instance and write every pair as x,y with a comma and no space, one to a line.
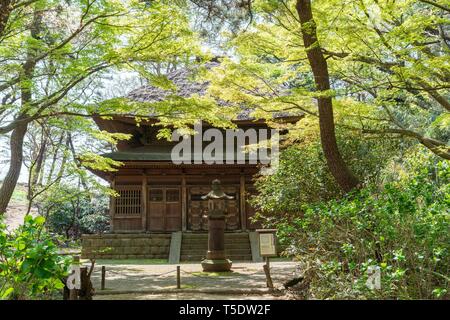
266,268
183,204
112,203
144,202
178,278
87,291
73,293
242,202
103,278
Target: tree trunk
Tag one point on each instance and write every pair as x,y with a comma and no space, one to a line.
5,11
38,167
77,161
18,134
55,158
338,168
10,181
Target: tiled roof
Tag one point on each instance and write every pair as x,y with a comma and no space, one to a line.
186,87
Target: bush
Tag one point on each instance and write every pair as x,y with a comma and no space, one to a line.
71,213
72,219
30,266
402,227
303,176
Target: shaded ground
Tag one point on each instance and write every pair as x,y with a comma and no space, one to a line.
185,296
145,277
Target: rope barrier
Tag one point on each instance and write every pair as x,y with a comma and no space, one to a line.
209,277
154,275
173,271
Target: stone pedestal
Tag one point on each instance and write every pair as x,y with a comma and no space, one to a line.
216,260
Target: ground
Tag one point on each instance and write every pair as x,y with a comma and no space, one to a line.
185,296
17,208
158,281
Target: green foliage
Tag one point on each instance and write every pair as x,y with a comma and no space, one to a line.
403,228
303,176
70,49
71,213
388,66
30,266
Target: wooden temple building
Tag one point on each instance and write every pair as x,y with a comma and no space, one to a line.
159,212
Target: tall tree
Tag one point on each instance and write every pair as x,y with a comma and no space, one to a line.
53,54
319,67
343,175
379,67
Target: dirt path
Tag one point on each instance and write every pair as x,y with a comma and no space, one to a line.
128,278
15,213
185,296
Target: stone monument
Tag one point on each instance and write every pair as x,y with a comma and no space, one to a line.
216,260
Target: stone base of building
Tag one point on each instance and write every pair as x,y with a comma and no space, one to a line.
125,246
193,247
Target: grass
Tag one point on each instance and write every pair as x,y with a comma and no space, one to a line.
19,194
280,259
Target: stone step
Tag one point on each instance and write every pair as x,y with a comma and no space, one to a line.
127,236
196,252
236,244
227,240
205,235
195,245
201,257
233,245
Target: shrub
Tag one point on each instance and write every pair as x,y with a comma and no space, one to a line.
71,212
402,227
30,266
303,176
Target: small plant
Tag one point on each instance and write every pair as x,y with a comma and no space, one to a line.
30,267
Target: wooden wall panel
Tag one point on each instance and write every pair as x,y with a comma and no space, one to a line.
127,224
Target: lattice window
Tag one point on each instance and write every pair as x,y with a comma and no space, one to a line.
172,195
129,200
156,195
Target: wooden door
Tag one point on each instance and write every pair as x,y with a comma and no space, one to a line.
156,210
164,209
232,221
197,208
173,209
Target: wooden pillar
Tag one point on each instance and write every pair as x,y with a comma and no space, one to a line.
242,203
144,202
183,203
112,203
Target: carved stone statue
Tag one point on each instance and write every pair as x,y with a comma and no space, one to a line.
215,256
216,200
217,192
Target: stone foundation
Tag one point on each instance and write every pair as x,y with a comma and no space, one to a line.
125,246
